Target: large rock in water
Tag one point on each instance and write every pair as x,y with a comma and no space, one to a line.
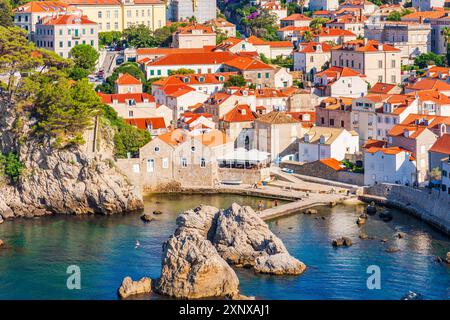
130,287
241,237
281,263
192,269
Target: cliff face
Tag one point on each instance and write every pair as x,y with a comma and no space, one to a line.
69,181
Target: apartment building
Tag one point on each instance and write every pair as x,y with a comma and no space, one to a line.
194,36
426,5
311,57
222,25
379,62
202,10
28,15
335,113
117,15
340,82
61,33
295,20
412,38
328,5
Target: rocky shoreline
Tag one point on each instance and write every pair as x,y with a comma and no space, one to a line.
197,258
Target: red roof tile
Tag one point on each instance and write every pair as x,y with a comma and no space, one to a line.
442,145
241,113
127,79
67,19
332,163
147,123
193,58
123,97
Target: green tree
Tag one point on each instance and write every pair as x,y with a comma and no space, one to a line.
317,23
426,59
6,14
182,71
308,36
85,57
131,68
17,56
109,38
11,166
264,25
235,81
139,36
394,16
263,58
127,139
64,110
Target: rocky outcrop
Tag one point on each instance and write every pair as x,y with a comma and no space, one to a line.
146,217
195,258
281,263
74,180
343,241
241,237
130,287
192,269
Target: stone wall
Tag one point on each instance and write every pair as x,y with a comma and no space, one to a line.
319,170
248,176
430,205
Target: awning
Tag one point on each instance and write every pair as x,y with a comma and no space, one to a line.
243,155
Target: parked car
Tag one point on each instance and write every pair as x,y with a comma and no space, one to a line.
119,60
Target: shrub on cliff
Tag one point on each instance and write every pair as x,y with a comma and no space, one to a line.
65,109
11,166
127,139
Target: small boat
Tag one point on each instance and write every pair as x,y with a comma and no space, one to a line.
287,170
232,182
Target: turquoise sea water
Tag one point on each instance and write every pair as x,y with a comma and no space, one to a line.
34,264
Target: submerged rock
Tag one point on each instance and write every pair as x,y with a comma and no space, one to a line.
157,212
343,241
371,209
192,269
281,263
392,249
147,217
130,287
2,244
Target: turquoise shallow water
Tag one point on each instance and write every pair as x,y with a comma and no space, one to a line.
34,264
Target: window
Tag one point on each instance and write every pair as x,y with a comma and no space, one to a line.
108,14
69,44
129,13
99,14
380,78
165,163
202,162
331,122
116,14
130,113
192,149
184,162
322,120
60,32
380,64
158,72
342,123
259,75
156,149
393,64
393,79
267,75
108,26
60,44
150,165
152,72
136,168
311,59
92,42
92,31
116,26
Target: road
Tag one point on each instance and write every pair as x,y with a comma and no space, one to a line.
109,63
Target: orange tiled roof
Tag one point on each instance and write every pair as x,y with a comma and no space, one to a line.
362,45
67,19
174,137
45,6
188,29
424,15
167,51
429,84
213,138
430,121
383,88
241,113
256,41
296,17
332,163
414,130
144,123
126,79
294,28
123,97
431,95
307,118
109,2
374,143
279,44
442,144
311,47
337,72
195,79
334,32
390,150
246,63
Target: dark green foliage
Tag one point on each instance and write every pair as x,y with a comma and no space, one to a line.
109,38
182,71
235,81
139,36
64,110
426,59
85,57
11,166
131,68
127,139
6,14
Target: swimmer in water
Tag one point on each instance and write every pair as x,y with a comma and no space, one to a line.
138,244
